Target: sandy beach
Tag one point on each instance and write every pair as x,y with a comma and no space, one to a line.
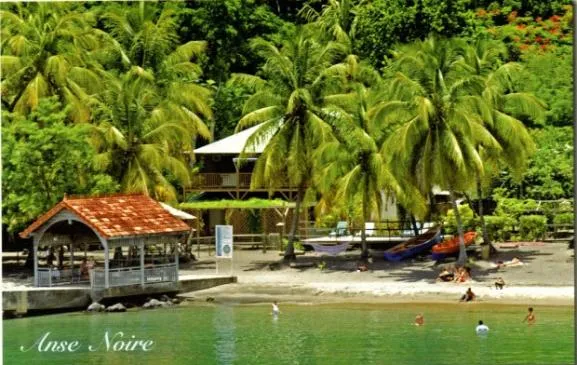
546,277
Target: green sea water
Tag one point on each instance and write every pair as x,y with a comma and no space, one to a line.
302,334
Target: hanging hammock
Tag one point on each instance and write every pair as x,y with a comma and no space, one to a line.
332,250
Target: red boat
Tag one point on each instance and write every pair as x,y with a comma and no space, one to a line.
451,246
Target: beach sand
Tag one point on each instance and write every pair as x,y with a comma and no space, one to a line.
545,278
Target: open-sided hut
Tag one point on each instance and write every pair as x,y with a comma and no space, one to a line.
135,229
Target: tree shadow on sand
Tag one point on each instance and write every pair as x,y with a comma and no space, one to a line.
417,269
414,271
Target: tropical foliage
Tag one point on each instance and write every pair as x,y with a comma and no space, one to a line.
43,159
45,52
148,115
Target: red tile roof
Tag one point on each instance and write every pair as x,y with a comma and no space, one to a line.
116,216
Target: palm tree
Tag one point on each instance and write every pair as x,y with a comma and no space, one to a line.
352,165
152,113
500,106
286,101
437,142
44,53
140,136
336,21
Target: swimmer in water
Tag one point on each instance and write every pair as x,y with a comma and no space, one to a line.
419,320
530,318
482,329
275,309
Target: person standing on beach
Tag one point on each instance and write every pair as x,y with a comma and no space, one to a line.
419,320
530,318
481,329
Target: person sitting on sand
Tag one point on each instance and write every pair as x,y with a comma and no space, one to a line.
530,318
457,274
499,283
463,274
419,320
446,275
468,296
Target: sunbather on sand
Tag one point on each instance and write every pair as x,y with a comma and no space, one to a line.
463,274
446,275
511,263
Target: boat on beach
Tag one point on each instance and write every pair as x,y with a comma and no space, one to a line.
414,246
450,247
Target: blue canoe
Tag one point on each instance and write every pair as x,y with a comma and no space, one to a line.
414,246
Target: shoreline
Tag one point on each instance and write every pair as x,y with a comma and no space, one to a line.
378,293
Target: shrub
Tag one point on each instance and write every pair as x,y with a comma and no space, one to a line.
499,228
327,221
514,208
467,218
564,218
532,227
298,246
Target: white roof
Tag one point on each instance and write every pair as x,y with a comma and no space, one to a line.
176,212
234,144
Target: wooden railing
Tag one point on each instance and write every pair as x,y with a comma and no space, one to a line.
249,240
48,277
223,181
132,276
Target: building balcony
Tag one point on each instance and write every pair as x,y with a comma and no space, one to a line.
226,182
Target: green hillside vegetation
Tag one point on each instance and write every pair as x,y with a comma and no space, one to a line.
394,96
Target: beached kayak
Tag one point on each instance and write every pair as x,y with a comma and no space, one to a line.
450,246
414,246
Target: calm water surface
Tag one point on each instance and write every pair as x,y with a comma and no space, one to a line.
320,334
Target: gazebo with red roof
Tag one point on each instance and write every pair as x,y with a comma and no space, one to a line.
131,222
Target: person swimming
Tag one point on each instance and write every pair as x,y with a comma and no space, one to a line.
530,317
419,320
482,328
275,309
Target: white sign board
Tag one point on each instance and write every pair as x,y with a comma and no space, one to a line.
223,235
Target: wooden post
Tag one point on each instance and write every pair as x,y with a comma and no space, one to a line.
106,258
265,230
198,216
176,258
141,250
237,180
72,260
306,213
35,253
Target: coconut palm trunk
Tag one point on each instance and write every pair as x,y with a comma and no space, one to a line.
462,251
414,224
486,239
289,254
364,247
